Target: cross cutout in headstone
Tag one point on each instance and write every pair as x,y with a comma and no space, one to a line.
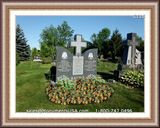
78,44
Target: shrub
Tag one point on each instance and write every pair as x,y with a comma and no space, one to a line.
46,60
79,91
66,83
133,77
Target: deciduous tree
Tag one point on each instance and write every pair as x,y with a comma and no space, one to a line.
101,41
52,37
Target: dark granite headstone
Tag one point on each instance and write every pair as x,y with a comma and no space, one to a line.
118,72
64,63
90,62
75,66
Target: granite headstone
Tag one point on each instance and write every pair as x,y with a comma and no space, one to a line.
64,63
130,51
90,62
75,66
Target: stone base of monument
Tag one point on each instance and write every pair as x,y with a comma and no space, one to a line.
80,91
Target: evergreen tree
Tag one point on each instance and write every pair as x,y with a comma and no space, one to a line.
140,41
116,44
22,49
17,59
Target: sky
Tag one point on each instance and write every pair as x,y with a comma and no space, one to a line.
85,25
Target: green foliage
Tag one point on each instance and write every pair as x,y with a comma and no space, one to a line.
101,41
65,33
30,94
94,39
22,48
52,37
46,60
47,51
116,44
106,67
140,46
17,59
95,80
69,84
48,41
66,83
103,35
79,91
112,47
133,78
35,52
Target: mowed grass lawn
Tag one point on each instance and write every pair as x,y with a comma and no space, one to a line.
31,95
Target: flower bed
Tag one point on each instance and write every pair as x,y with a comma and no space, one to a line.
79,91
133,78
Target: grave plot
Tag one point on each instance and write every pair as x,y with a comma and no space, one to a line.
80,91
76,77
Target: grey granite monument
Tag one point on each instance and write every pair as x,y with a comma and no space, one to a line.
64,63
78,65
131,55
90,62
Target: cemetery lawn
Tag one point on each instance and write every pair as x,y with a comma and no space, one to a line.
31,95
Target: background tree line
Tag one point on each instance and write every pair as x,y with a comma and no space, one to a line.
108,44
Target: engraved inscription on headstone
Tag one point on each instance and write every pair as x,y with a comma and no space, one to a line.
63,66
64,63
90,62
78,65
